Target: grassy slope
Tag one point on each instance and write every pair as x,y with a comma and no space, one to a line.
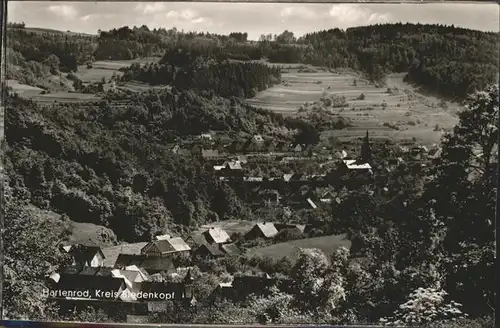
415,115
328,244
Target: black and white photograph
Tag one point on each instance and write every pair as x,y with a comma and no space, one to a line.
251,163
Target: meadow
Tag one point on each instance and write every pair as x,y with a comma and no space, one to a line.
327,244
396,111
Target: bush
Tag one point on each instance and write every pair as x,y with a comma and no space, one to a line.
425,305
487,322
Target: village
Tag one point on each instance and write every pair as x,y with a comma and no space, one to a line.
165,264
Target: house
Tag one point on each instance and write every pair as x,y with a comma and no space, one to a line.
196,240
268,196
216,235
258,139
145,276
133,280
210,154
165,246
208,251
175,149
285,226
253,179
229,166
87,271
223,291
262,230
111,253
82,255
230,249
206,136
242,159
352,164
151,264
311,203
298,148
342,154
87,286
287,177
327,196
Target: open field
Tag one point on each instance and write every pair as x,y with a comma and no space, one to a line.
42,30
106,68
65,97
399,113
23,90
99,70
328,244
91,234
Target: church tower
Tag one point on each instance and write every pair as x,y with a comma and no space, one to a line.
366,152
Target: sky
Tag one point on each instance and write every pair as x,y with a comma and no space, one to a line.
254,18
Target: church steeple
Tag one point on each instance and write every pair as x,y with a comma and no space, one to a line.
366,152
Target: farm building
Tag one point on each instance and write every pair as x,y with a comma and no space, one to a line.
210,154
208,251
216,235
206,136
82,255
111,253
230,249
149,263
283,226
195,240
267,196
165,245
92,284
262,230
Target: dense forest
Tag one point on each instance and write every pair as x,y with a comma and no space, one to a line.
98,162
194,70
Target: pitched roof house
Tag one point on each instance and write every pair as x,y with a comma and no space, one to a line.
284,226
85,255
165,246
230,249
151,264
111,253
98,287
262,230
209,153
208,250
216,235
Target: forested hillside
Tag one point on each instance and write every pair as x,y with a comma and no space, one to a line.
446,60
113,166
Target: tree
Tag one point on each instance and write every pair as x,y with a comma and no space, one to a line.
30,254
53,62
463,195
320,290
